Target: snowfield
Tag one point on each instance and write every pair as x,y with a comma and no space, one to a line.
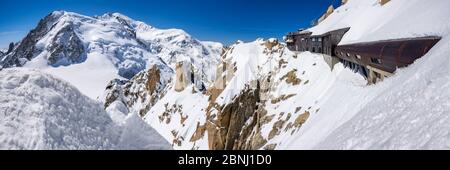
39,111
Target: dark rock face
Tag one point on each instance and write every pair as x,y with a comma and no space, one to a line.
10,48
115,92
66,48
26,49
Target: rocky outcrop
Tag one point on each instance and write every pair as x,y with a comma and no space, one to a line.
10,48
66,48
291,78
330,10
114,92
238,124
344,2
382,2
184,76
301,119
271,43
229,125
145,89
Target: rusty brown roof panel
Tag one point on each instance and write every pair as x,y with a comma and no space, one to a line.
388,54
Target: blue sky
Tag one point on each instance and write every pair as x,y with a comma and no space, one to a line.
214,20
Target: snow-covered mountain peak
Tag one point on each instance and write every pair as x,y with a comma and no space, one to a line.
117,15
119,18
110,46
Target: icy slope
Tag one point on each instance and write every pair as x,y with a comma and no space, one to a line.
42,112
88,51
369,21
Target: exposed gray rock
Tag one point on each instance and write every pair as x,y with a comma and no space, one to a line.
10,48
229,128
66,48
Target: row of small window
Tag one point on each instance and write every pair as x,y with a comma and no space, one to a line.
313,39
373,60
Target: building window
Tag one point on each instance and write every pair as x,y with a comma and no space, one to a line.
376,60
314,39
319,39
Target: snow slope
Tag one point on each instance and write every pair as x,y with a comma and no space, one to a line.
42,112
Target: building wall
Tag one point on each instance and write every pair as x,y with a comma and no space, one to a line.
319,43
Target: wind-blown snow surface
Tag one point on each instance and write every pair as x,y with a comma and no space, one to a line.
39,111
116,46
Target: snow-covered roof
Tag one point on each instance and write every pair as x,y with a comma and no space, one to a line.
369,21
